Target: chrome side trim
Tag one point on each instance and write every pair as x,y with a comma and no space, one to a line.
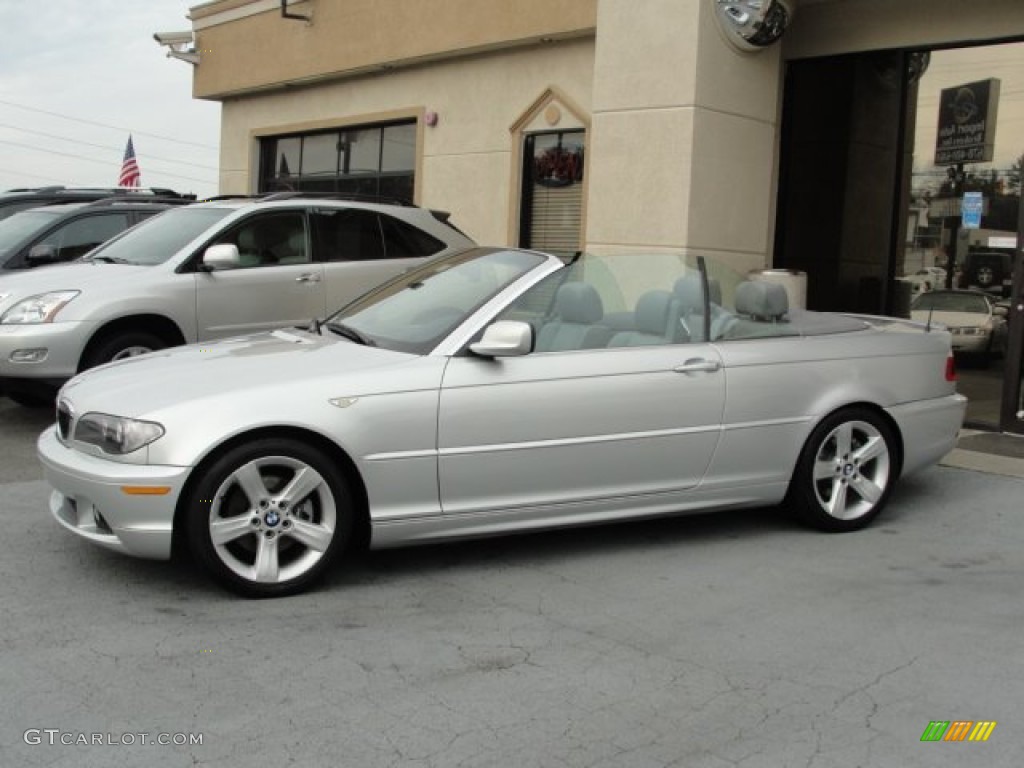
767,423
533,444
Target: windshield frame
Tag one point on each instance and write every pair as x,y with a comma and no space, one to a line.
934,298
452,339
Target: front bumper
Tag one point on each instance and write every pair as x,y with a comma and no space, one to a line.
88,499
929,429
58,345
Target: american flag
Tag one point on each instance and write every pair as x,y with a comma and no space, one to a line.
130,175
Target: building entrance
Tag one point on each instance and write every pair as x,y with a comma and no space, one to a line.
900,193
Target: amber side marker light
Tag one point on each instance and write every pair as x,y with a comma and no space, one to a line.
146,490
950,368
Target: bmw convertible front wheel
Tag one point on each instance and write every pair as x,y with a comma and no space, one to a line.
267,518
846,471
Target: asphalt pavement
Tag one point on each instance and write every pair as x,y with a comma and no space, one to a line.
732,639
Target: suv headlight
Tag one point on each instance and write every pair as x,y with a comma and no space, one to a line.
116,435
38,309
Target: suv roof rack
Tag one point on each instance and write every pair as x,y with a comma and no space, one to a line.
62,191
152,200
353,197
216,198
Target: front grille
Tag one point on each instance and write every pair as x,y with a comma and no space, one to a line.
64,416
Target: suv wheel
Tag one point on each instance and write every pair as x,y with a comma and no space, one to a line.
121,345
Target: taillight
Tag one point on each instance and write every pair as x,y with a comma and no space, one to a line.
950,368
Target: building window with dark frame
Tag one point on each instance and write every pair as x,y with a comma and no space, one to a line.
372,162
551,202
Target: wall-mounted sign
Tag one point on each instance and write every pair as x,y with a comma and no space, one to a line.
967,123
970,210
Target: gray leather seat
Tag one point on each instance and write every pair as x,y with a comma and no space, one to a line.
656,318
689,293
763,301
761,308
578,311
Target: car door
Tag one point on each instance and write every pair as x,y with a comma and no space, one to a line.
589,420
360,249
568,427
276,283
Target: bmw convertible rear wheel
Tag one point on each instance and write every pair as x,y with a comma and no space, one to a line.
267,518
846,471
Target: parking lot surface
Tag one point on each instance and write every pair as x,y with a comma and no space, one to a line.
711,641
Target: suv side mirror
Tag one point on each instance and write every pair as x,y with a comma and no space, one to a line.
223,256
43,253
505,338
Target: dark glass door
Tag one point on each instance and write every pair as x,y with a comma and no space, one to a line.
1012,417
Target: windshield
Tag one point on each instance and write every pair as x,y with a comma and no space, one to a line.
417,310
17,228
158,238
951,302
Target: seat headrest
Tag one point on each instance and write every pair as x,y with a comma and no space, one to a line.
690,294
579,303
652,312
761,299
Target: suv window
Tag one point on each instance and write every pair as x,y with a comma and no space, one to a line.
403,241
348,234
266,240
159,238
78,237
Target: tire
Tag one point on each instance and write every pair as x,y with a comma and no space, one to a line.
121,345
846,471
256,534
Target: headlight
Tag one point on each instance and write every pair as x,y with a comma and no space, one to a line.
38,309
116,435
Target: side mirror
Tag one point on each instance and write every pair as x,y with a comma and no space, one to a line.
223,256
1001,310
505,338
42,254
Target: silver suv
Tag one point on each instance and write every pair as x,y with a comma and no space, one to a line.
202,272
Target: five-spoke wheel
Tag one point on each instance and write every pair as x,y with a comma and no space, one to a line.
846,471
267,518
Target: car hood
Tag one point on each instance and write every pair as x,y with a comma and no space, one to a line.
16,285
278,360
951,319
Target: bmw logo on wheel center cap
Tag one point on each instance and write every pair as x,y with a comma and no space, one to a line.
272,518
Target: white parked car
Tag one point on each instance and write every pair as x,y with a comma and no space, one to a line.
978,326
926,279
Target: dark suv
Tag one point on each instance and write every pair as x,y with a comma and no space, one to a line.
57,233
14,200
988,271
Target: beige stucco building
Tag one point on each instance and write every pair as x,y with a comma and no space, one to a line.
599,124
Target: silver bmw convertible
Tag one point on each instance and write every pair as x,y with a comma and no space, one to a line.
497,391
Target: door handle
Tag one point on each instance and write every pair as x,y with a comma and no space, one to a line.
309,277
698,365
